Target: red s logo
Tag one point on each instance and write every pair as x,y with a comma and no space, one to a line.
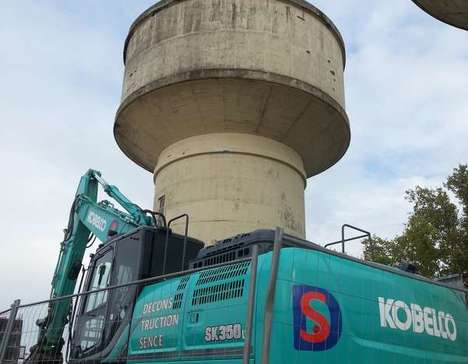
322,327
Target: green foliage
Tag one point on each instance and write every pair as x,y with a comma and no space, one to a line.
435,238
380,250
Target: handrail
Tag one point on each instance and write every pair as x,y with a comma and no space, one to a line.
343,240
166,242
155,220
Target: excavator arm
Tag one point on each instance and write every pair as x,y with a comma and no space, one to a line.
87,218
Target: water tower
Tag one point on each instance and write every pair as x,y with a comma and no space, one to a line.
453,12
233,105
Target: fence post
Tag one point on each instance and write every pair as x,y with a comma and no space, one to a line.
9,329
250,307
268,316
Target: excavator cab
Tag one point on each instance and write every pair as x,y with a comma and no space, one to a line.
103,317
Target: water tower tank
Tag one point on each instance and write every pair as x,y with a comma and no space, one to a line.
233,104
453,12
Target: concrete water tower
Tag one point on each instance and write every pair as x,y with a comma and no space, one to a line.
453,12
233,104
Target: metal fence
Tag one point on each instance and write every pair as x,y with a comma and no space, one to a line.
12,326
20,326
19,331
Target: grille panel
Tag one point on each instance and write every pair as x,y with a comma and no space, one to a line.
220,284
179,296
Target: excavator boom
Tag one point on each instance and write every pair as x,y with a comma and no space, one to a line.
88,218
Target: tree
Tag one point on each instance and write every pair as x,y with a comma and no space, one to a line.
458,184
435,238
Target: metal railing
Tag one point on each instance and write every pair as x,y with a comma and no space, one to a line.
168,230
367,235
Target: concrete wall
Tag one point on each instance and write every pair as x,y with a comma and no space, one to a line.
272,36
231,183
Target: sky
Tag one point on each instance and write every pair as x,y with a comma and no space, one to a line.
61,73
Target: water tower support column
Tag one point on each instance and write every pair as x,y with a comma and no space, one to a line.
231,183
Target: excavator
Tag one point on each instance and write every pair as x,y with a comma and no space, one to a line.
151,295
90,220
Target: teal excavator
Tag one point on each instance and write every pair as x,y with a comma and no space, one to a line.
88,220
153,296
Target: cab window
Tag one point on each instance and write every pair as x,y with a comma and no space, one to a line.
92,321
100,279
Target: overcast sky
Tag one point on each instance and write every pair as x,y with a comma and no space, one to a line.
61,73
